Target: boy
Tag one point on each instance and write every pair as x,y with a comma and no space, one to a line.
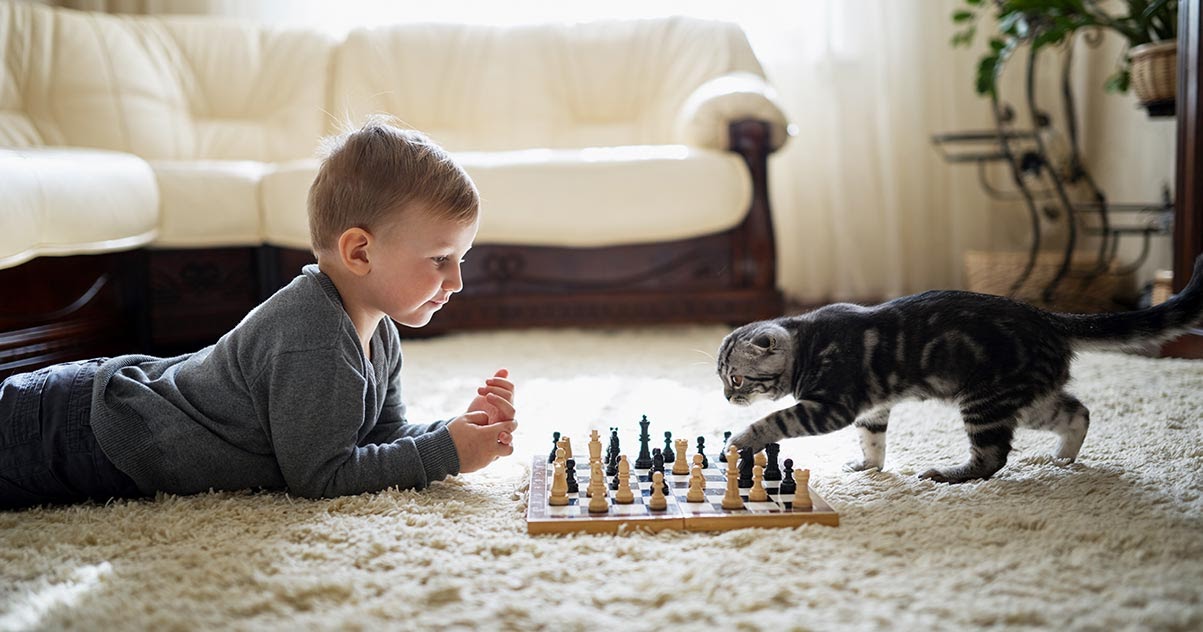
304,393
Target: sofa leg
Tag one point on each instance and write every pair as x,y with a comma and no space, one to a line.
135,298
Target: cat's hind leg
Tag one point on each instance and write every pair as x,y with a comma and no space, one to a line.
990,419
872,430
1064,415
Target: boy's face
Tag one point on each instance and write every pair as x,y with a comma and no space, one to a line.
416,265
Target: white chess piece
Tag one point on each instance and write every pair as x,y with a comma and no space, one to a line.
623,495
657,502
758,494
559,485
597,489
697,486
680,465
731,499
595,447
802,495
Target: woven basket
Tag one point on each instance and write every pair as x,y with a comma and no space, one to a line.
993,272
1155,72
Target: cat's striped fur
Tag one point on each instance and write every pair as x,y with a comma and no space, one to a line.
1002,362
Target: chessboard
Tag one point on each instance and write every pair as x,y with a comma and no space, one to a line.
777,510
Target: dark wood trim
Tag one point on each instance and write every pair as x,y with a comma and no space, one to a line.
1188,204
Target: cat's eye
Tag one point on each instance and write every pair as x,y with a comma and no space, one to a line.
737,381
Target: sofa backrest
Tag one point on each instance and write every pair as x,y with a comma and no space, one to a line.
477,87
161,87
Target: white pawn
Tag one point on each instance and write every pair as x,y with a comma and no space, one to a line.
758,493
697,486
624,496
658,502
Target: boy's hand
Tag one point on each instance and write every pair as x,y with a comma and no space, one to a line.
501,387
478,442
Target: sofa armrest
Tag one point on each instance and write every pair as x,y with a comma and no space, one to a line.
706,116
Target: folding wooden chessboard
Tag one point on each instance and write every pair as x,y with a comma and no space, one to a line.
778,511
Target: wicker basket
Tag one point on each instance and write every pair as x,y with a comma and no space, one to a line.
1155,72
994,272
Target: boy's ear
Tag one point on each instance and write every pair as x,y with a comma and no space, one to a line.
354,250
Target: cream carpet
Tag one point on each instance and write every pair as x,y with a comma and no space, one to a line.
1112,542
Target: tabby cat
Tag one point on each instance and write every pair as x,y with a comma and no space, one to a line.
1002,362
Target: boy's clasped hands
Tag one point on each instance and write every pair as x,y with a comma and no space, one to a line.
485,432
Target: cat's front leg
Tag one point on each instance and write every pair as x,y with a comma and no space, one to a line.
872,429
806,418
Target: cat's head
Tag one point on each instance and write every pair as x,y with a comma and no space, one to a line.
755,362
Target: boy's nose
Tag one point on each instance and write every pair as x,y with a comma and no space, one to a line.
454,281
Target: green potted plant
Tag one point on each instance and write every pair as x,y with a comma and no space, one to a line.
1150,28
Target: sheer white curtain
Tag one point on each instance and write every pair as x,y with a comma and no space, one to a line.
864,206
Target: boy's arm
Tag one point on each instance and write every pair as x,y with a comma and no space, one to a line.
392,424
316,411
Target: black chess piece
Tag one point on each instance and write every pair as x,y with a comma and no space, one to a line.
614,481
722,455
747,460
645,456
573,487
614,440
657,462
612,461
772,471
702,451
670,454
555,440
788,486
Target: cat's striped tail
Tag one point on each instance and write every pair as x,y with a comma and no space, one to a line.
1140,329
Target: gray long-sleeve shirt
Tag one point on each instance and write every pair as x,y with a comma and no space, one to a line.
286,400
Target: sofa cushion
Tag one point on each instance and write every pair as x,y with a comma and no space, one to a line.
212,203
74,201
489,88
177,87
593,197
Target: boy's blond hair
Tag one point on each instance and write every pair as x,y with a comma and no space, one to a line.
371,174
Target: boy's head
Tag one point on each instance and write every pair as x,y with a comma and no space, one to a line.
370,175
391,215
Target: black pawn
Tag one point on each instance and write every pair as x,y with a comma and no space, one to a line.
669,453
614,480
772,472
702,451
722,455
657,462
747,459
573,488
788,486
645,457
555,440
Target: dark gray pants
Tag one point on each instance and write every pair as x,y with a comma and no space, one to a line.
48,453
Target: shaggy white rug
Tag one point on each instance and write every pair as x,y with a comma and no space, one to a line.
1112,542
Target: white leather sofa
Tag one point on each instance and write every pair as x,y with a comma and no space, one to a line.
621,164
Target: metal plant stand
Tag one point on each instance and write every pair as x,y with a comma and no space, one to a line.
1054,186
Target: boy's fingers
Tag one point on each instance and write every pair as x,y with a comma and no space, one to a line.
478,417
500,383
501,373
504,426
505,449
502,404
505,437
502,393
